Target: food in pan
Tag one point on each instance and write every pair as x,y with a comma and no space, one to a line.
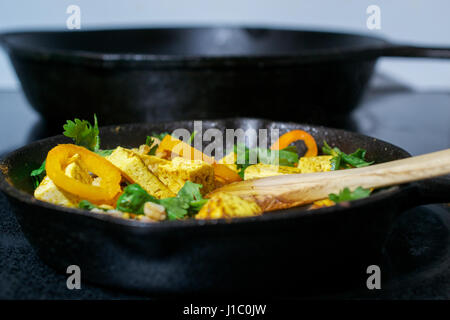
168,179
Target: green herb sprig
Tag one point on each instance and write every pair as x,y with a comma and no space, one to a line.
38,174
86,205
285,157
187,202
347,195
150,141
342,160
83,133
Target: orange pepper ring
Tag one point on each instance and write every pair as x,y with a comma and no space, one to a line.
294,135
57,159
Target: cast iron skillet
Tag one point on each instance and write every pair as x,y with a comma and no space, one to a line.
142,75
289,251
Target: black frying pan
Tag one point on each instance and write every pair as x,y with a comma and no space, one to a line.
142,75
283,252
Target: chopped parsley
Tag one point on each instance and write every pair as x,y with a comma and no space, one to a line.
285,157
347,195
187,202
104,153
86,205
83,133
342,160
38,174
151,142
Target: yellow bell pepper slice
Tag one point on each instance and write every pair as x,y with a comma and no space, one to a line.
176,146
57,160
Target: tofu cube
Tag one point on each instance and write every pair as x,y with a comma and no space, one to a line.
315,164
49,192
225,205
76,170
152,162
136,171
261,170
175,173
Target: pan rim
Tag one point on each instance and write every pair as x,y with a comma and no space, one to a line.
278,215
104,59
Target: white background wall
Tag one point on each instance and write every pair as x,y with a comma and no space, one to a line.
415,21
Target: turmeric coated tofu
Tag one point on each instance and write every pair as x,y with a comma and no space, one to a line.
136,171
152,162
314,164
75,169
261,170
225,205
49,192
175,173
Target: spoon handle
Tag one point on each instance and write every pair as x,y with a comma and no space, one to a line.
290,190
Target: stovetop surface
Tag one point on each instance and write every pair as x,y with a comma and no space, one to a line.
418,249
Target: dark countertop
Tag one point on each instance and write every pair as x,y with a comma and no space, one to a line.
419,244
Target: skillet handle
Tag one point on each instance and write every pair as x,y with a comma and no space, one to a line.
435,190
415,52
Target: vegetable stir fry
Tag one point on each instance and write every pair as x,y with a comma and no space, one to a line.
168,179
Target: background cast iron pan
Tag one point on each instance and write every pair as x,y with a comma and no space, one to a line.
142,75
287,252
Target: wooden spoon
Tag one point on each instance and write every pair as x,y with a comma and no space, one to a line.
285,191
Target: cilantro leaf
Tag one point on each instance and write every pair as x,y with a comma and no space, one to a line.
328,150
359,153
188,201
196,205
355,161
86,205
150,141
104,153
342,160
133,199
285,157
240,149
278,157
176,208
335,163
83,133
291,149
38,174
39,170
190,192
347,195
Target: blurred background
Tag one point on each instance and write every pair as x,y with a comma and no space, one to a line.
413,21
